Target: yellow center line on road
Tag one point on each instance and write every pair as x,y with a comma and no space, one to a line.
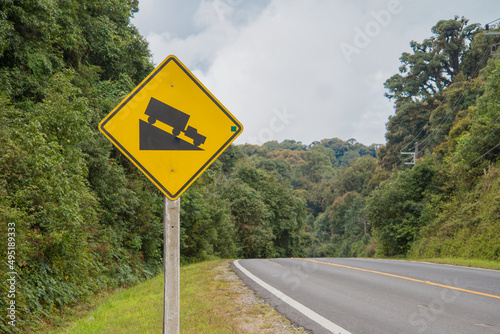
402,277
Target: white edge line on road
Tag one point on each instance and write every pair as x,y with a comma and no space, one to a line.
295,304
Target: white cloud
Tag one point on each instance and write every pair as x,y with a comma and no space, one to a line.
289,58
266,57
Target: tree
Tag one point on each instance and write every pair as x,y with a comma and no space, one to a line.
268,218
479,144
39,39
207,229
438,62
435,63
394,209
85,219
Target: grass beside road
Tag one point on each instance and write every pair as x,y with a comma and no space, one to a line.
213,300
134,310
484,264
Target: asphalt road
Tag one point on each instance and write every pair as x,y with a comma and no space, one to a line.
333,295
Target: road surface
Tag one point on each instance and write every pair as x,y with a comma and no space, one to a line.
334,295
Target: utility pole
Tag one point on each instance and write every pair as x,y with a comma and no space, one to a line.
487,28
413,154
494,51
377,146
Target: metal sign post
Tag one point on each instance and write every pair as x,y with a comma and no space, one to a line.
171,263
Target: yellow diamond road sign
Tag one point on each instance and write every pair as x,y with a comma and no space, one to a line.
171,127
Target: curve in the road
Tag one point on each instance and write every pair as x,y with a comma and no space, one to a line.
377,296
403,277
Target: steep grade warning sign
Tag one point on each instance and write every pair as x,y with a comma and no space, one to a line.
171,127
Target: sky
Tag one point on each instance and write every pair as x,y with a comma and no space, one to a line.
304,70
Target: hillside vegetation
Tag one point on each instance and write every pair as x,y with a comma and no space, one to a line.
86,220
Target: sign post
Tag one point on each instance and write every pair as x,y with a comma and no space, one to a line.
171,263
171,128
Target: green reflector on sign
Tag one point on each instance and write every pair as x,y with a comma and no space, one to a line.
233,129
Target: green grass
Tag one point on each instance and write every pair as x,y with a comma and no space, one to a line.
206,305
209,301
135,310
485,264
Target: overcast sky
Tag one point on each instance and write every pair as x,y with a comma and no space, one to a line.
299,69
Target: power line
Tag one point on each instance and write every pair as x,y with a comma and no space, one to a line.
492,22
498,118
497,145
475,72
413,155
437,129
448,114
432,134
485,139
415,138
487,28
451,109
446,117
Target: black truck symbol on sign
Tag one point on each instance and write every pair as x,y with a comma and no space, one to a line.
157,110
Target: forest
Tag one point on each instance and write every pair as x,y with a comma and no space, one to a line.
83,219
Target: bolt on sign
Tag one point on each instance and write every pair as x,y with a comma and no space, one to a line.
171,127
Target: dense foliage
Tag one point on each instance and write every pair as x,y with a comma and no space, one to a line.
84,219
446,205
87,220
446,100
